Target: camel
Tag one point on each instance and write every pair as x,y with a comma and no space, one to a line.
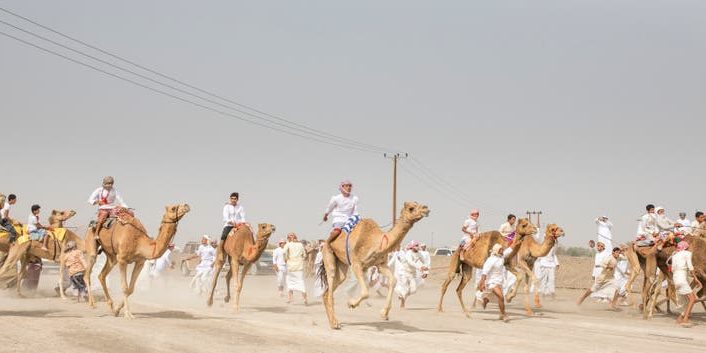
648,259
240,249
126,242
366,245
474,257
32,249
527,255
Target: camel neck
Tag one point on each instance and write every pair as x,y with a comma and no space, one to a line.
258,248
152,249
397,234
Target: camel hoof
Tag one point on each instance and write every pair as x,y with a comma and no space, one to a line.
439,310
467,314
209,302
226,299
537,306
128,316
352,305
335,325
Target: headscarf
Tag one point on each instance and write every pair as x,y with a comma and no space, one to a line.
496,248
412,244
659,208
682,245
70,245
206,237
344,182
281,241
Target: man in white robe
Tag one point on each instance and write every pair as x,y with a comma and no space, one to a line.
605,231
294,254
204,269
407,263
280,266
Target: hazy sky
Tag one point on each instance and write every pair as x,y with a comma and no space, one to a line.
575,108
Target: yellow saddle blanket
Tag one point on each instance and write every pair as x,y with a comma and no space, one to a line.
23,234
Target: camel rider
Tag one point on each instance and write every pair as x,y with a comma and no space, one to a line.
5,221
508,228
341,208
108,200
665,226
647,227
35,229
233,216
698,224
470,232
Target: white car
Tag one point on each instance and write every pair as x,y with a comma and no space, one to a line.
443,252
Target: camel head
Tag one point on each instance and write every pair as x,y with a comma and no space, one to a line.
525,227
264,230
413,211
61,216
554,231
174,213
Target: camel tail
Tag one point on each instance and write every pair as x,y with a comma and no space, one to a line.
322,276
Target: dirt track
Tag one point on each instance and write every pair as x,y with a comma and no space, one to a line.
177,319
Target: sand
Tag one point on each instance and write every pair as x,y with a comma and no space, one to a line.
171,318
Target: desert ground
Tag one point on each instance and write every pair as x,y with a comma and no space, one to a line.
172,318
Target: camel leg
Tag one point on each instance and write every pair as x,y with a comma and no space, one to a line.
109,263
466,276
122,266
235,272
450,275
529,279
92,254
239,284
61,273
217,267
360,276
392,282
331,267
131,289
21,272
513,291
229,276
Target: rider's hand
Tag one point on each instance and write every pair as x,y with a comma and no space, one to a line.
325,217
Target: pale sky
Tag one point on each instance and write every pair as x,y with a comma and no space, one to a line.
575,108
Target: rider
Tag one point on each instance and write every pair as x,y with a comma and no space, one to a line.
35,229
108,200
341,207
5,221
233,216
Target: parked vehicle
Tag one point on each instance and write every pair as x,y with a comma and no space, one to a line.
443,252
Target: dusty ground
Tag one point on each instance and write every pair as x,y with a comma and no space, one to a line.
173,318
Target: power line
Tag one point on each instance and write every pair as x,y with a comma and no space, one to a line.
176,88
279,120
444,193
156,90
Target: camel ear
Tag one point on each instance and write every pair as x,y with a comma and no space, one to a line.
53,212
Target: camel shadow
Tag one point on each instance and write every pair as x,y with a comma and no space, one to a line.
382,326
170,314
271,309
36,313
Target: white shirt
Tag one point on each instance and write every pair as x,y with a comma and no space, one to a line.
5,211
207,253
664,223
685,225
647,225
621,269
681,261
340,208
426,258
163,262
411,262
598,263
506,229
278,258
471,226
550,260
32,222
113,197
234,214
493,269
294,255
605,233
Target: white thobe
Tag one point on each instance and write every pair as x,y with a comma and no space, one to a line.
112,196
233,215
605,233
340,208
647,225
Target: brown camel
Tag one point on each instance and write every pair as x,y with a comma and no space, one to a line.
367,245
126,242
527,255
648,259
32,249
474,257
239,249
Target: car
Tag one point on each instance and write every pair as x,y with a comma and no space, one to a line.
443,252
263,265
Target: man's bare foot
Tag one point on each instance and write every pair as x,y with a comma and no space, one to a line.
504,318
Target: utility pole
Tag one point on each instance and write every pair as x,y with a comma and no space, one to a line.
395,157
538,214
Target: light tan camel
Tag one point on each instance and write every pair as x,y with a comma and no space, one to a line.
648,259
527,255
32,250
367,245
474,257
239,249
127,242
